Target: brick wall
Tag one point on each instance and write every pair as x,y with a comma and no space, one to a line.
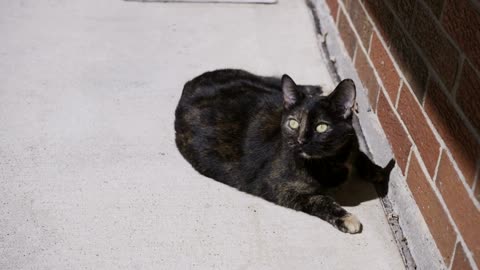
419,61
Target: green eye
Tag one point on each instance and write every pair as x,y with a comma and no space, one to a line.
293,124
322,128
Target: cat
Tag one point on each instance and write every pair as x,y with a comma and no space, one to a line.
272,138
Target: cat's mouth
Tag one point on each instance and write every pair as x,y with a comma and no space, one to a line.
305,155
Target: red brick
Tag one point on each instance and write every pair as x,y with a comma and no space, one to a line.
396,134
411,114
367,75
385,68
457,137
467,95
461,19
460,261
373,97
477,190
410,62
435,6
346,32
404,10
432,211
333,5
382,17
360,21
461,207
346,2
435,44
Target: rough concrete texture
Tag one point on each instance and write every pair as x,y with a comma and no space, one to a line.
420,241
89,173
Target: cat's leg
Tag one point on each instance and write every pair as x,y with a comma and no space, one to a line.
368,170
304,197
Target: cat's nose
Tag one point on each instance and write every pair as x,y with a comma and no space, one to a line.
301,140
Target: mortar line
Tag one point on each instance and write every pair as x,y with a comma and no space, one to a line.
409,158
436,21
370,40
337,16
457,242
397,99
439,196
427,85
470,191
440,16
458,78
477,176
437,166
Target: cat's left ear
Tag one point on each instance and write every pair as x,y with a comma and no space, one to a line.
343,97
290,92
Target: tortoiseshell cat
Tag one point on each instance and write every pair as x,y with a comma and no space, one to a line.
274,139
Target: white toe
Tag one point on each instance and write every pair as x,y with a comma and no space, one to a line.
352,224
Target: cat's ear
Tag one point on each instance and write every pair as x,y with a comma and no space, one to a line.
290,92
343,97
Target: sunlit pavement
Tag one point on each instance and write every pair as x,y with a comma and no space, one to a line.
89,174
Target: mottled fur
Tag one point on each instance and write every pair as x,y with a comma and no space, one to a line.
232,126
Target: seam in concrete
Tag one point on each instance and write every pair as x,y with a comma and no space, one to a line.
331,65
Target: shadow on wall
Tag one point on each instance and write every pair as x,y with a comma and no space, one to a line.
427,45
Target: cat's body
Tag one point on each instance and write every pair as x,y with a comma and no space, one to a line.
262,135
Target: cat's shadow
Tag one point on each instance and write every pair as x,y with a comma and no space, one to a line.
355,191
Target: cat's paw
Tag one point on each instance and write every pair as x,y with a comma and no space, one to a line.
350,224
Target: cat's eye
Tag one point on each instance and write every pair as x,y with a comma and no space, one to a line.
321,128
293,124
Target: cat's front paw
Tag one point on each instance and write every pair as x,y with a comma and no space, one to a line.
350,224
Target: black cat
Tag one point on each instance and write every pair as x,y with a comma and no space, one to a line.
274,139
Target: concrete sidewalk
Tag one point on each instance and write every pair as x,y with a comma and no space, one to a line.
89,174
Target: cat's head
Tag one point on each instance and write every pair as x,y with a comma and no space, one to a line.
315,126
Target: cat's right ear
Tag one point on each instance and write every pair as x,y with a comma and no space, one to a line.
344,97
290,92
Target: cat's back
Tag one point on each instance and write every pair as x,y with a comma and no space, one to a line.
219,114
228,82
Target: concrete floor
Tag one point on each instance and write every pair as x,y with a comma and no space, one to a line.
89,174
